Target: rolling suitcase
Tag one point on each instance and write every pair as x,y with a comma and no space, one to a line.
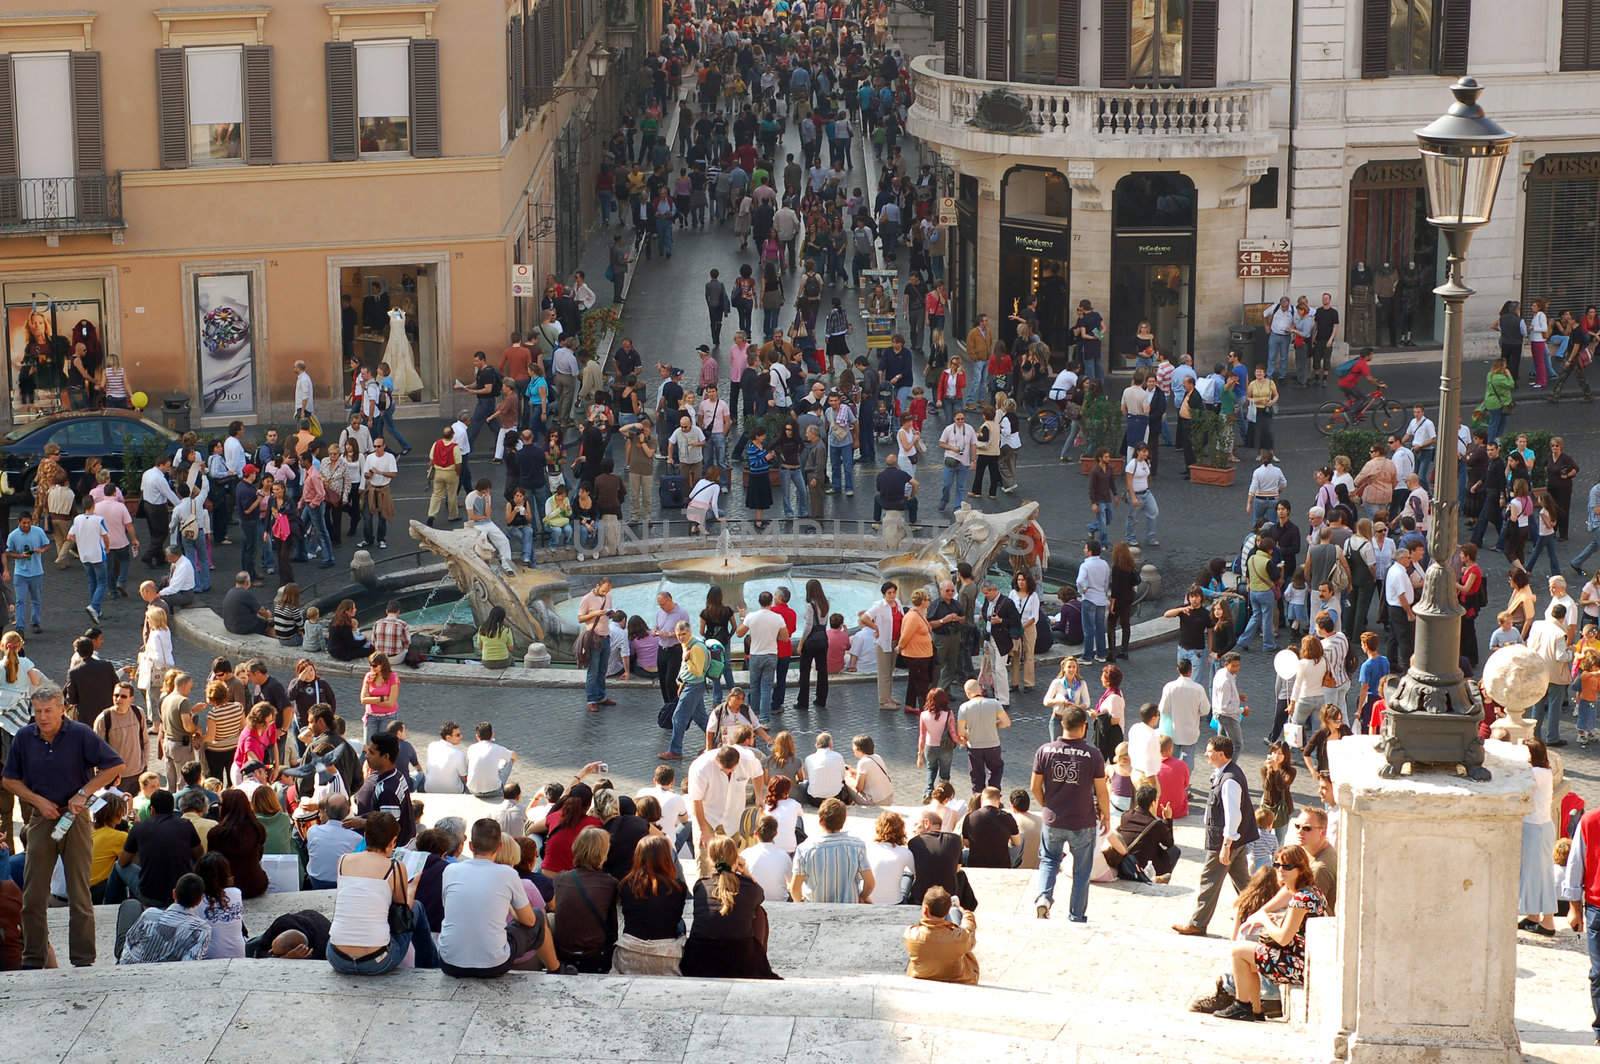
672,490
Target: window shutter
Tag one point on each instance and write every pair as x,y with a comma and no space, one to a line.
426,140
969,38
89,134
10,191
1200,51
952,35
514,94
547,46
1069,28
558,39
260,143
1455,27
1375,39
530,61
997,42
1577,16
1115,19
340,57
172,107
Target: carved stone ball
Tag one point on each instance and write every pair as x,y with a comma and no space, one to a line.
1515,677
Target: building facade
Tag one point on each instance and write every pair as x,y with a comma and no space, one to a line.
1130,145
213,192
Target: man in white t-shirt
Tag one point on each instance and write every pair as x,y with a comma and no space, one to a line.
958,445
763,629
862,655
767,862
378,470
446,769
1141,499
824,774
488,765
1144,744
93,537
1422,438
487,918
674,822
1401,599
718,782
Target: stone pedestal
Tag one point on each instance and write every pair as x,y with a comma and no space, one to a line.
1423,960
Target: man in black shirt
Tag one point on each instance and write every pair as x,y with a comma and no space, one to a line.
295,936
946,618
990,832
242,612
264,688
90,684
935,858
896,490
485,387
386,790
166,847
625,360
1325,327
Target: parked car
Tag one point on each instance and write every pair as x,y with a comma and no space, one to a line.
109,435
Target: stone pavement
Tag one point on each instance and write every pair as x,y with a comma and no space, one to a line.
1114,989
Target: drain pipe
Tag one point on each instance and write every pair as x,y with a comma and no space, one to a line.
1294,110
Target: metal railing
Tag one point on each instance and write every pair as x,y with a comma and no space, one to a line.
79,203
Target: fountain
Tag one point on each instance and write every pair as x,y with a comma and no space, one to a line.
972,536
727,569
474,565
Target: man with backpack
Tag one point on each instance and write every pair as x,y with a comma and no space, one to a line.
861,245
702,660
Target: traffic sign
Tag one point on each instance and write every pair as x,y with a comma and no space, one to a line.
947,210
522,280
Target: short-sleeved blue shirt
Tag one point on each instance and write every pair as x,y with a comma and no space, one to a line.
59,768
19,542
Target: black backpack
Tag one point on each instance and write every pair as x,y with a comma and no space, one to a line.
1361,574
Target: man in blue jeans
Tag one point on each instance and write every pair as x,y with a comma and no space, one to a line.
764,629
1580,887
1069,783
691,687
25,547
594,613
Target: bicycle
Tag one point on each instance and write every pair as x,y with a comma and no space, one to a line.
1046,425
1384,413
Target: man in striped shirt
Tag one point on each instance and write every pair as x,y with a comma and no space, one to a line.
1164,371
834,865
176,933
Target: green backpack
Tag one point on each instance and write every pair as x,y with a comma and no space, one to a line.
716,658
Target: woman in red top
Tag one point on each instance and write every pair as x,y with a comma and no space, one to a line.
1470,592
258,741
563,826
952,388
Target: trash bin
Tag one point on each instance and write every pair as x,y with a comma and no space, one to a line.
1251,343
175,412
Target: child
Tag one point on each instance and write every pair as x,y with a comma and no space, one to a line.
1370,676
838,643
316,634
884,429
544,800
1560,856
1265,847
149,783
1297,606
862,655
1505,635
919,407
1588,694
1386,690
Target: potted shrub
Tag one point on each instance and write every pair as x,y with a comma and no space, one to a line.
1102,428
138,457
1210,433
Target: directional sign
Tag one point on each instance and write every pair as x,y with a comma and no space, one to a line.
947,210
522,280
1265,245
1257,262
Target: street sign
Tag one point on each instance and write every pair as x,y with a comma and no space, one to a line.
522,280
1264,258
947,210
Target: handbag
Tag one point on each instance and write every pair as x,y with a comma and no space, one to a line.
402,920
580,648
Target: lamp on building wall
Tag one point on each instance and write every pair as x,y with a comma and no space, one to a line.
1463,152
599,62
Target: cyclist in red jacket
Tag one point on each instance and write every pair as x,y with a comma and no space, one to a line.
1355,371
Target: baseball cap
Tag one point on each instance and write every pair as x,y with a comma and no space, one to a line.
703,348
250,470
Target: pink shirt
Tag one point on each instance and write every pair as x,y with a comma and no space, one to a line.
738,360
838,643
708,371
117,520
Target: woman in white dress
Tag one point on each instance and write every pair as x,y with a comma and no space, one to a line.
400,357
909,443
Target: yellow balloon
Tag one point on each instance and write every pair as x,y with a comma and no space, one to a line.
140,400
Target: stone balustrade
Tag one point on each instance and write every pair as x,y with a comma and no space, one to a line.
1081,122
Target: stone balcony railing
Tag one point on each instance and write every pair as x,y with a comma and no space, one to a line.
1079,122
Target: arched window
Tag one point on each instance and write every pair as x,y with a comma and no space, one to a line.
1041,195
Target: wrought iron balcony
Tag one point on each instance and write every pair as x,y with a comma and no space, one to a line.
44,206
1079,122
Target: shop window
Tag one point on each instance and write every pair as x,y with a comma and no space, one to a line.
215,104
383,96
1152,268
395,321
1155,201
43,320
1155,35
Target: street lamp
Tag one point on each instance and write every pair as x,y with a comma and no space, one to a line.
599,61
1435,715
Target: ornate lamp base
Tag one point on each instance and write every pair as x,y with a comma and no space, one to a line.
1433,722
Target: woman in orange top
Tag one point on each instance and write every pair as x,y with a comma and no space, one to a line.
916,649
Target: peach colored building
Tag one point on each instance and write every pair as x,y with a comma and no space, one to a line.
212,192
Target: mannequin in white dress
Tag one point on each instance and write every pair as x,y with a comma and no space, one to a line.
398,354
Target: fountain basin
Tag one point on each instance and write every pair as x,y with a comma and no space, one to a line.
728,571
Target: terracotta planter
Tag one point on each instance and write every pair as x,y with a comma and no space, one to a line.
1086,463
1221,478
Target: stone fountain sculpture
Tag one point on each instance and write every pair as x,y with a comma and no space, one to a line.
972,536
474,565
728,569
1516,677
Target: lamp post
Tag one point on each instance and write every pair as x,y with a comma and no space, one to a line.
1436,713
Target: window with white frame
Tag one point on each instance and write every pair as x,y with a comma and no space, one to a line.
383,96
216,104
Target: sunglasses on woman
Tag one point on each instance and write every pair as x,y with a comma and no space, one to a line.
1280,865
